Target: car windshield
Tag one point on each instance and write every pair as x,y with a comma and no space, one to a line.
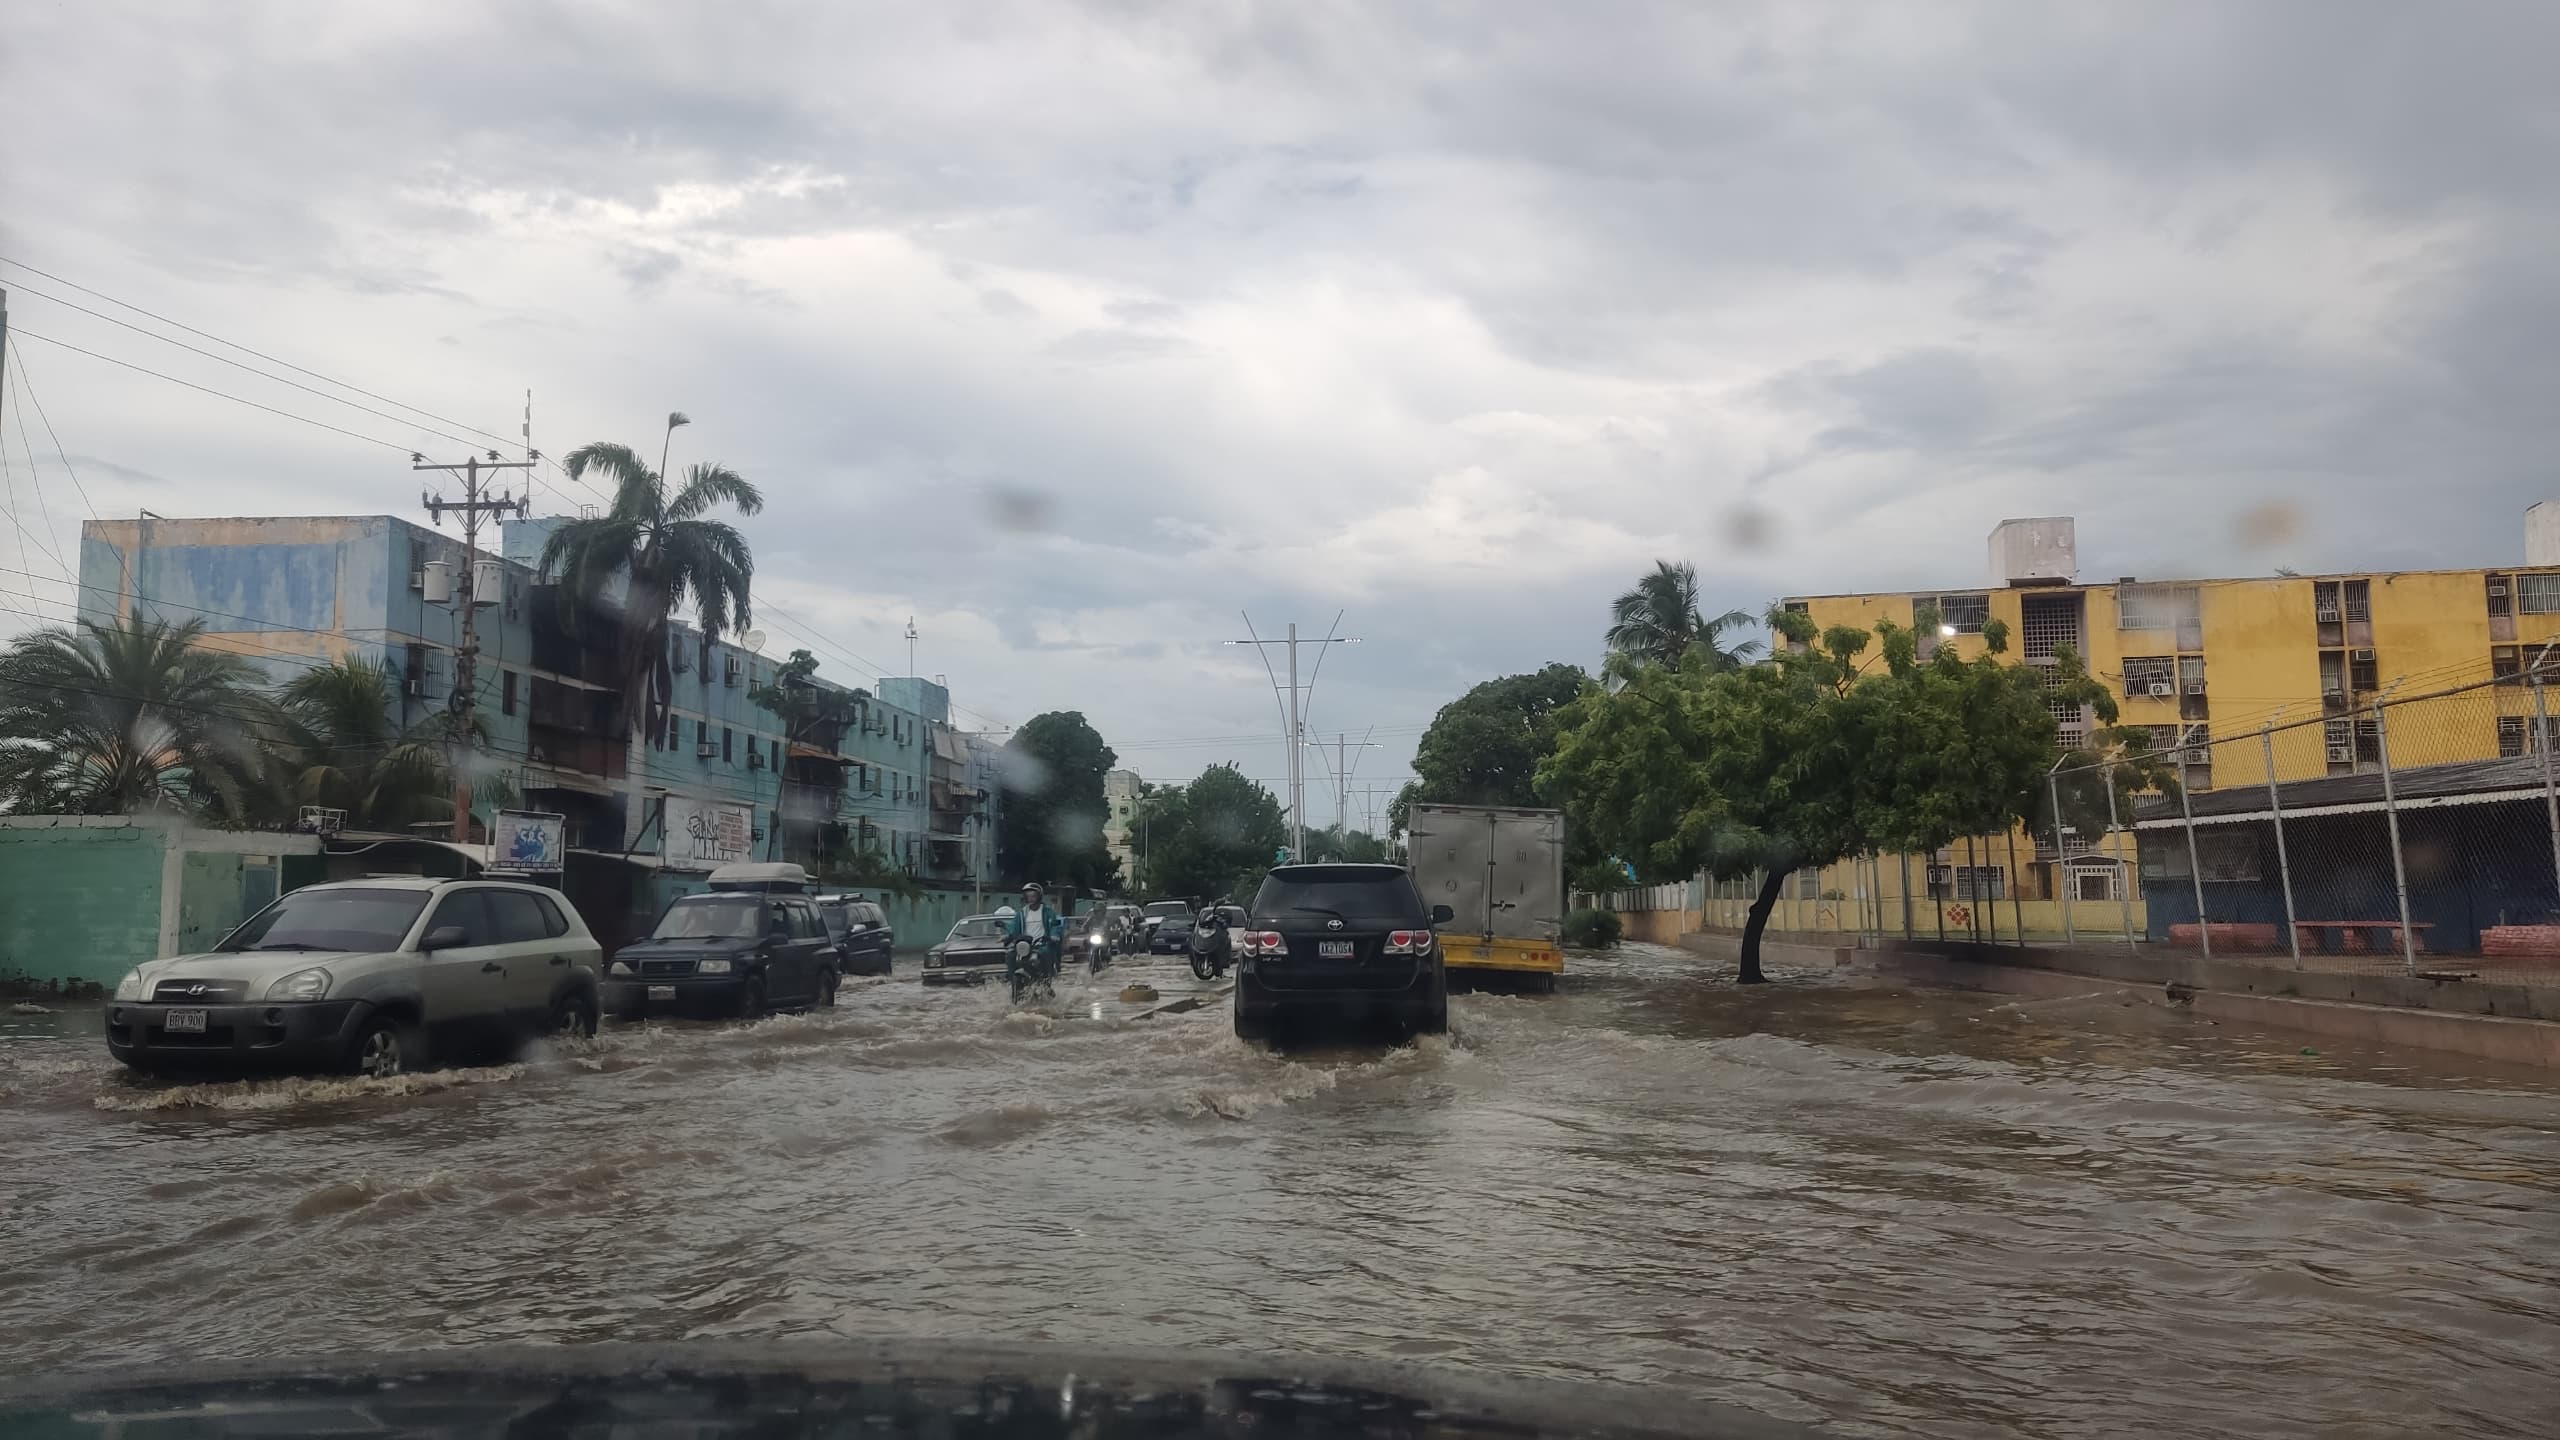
354,920
720,917
1164,908
1344,892
978,927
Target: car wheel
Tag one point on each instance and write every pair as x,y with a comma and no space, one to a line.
1433,1016
751,998
381,1049
573,1017
827,983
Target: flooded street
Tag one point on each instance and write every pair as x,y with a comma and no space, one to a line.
1891,1212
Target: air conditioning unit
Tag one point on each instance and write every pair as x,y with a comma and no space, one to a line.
755,759
2341,755
705,750
2360,655
414,685
2162,689
2198,755
2194,687
2334,696
2325,614
2497,590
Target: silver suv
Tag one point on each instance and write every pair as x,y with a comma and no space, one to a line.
366,976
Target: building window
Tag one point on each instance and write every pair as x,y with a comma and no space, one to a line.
702,738
2359,599
1798,607
1967,882
777,754
2505,665
507,692
2158,607
2364,672
2150,676
1961,614
2538,594
2501,598
1809,884
729,745
2515,734
675,731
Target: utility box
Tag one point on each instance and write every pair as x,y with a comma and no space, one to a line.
2041,550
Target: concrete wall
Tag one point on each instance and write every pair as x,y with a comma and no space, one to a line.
83,898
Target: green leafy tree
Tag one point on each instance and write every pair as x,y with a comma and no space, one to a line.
1660,621
115,719
811,714
670,554
1821,754
1214,837
1354,847
1049,828
338,747
1483,748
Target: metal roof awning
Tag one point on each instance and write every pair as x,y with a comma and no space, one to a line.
2423,787
947,745
543,777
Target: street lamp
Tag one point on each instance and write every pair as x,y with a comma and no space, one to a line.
1295,734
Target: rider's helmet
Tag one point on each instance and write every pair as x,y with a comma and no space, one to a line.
1031,893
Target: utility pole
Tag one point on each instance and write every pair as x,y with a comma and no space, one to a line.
1296,733
911,645
466,656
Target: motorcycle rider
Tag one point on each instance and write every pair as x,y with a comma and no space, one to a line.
1037,919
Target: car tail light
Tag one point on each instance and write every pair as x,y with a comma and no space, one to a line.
1264,942
1408,942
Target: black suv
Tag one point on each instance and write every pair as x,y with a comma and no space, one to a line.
1349,943
728,952
861,930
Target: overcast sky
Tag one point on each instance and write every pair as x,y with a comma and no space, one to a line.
1075,329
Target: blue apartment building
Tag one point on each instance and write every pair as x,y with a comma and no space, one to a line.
648,816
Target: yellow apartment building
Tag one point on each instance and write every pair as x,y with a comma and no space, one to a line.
2204,663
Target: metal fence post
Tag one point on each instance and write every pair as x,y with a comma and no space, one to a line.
2391,815
2542,747
2284,863
2017,906
1906,895
1973,882
2128,872
2061,857
2195,867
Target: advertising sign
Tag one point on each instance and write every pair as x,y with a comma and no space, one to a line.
707,834
528,842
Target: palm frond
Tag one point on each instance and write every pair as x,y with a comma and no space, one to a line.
708,485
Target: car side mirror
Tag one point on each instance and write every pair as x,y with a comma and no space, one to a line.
445,937
1442,915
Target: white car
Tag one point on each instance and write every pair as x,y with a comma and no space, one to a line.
367,977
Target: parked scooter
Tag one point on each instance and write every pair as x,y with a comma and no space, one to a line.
1212,946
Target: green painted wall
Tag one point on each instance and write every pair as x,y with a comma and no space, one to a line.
79,904
217,892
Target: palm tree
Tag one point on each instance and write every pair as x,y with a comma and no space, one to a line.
1657,622
667,552
338,748
113,719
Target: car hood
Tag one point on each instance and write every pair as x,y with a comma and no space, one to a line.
247,964
683,949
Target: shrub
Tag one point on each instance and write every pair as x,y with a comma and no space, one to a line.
1592,929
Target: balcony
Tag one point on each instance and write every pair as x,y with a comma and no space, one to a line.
569,750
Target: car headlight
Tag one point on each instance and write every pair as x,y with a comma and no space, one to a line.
308,984
933,962
713,967
620,967
133,986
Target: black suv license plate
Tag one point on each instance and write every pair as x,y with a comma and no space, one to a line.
1333,950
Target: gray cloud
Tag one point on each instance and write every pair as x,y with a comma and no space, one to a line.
1517,295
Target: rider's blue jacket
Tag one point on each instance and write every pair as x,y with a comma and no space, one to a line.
1055,931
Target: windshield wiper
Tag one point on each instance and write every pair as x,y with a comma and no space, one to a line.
293,945
1319,910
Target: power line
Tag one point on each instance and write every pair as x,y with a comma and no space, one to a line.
209,390
261,374
29,381
243,349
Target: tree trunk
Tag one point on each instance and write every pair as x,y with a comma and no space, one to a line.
1757,921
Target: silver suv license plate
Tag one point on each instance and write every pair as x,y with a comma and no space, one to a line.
1333,949
183,1022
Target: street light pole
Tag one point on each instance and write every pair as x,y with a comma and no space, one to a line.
1293,715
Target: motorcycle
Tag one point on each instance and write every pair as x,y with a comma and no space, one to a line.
1098,945
1030,965
1212,948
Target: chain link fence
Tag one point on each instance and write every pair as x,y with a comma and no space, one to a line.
2398,834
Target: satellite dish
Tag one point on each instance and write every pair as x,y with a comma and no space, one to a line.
753,640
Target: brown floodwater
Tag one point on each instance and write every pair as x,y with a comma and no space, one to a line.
1890,1212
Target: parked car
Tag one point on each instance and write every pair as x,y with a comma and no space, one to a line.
1345,943
972,951
728,952
369,977
1171,935
864,940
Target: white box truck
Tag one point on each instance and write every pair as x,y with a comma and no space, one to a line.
1500,869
